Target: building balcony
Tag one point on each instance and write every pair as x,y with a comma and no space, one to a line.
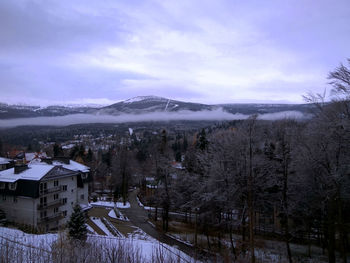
52,190
52,204
51,218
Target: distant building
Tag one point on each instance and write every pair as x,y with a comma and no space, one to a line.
34,156
6,163
43,194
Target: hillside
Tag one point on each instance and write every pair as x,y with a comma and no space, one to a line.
144,104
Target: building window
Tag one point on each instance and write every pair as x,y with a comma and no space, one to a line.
65,213
42,214
84,176
72,178
64,188
72,190
82,197
12,186
64,201
43,201
43,187
2,185
55,210
15,199
55,196
55,183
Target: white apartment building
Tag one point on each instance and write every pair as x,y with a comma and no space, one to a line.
43,194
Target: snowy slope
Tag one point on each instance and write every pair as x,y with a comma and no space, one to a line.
27,245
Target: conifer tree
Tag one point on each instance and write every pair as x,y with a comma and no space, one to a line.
202,142
77,224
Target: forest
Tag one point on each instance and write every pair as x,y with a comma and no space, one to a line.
286,179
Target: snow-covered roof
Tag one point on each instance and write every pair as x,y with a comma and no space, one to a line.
74,166
4,160
34,155
34,172
69,146
30,156
177,165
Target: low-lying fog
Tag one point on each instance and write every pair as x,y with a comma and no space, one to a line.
216,115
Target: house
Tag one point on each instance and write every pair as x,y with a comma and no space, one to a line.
6,163
43,194
33,156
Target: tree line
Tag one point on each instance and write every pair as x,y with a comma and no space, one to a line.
291,176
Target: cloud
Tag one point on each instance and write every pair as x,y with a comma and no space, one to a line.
227,51
215,115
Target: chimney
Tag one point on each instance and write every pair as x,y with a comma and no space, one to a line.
47,160
62,159
20,168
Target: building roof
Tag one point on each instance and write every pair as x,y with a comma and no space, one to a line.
34,155
74,166
4,160
36,171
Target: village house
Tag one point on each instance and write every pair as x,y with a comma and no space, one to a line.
6,163
43,194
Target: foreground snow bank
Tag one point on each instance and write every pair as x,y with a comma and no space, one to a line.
140,247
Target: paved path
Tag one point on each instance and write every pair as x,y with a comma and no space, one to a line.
139,217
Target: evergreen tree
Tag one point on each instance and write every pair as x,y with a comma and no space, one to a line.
202,142
74,152
77,224
178,156
185,143
163,142
81,152
90,155
29,148
57,150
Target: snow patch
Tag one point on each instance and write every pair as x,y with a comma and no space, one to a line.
100,225
117,215
111,204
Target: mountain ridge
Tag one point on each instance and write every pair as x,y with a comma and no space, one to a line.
144,104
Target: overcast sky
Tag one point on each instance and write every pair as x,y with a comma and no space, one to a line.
217,51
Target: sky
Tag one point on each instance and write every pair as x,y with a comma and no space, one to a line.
222,51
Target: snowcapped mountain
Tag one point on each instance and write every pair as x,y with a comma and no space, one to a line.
143,104
23,111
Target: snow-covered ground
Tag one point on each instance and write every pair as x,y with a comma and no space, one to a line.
180,239
111,204
149,244
99,223
43,241
118,216
139,241
139,202
112,214
90,229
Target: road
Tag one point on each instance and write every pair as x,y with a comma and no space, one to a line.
139,217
